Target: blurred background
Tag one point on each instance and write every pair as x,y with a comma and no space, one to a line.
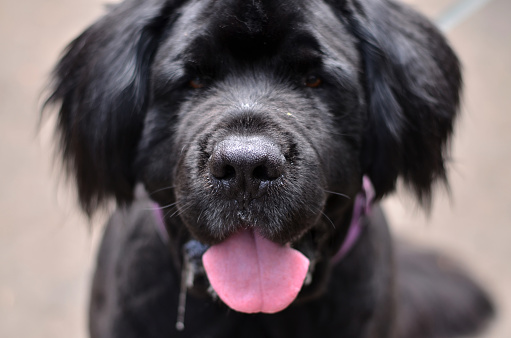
47,248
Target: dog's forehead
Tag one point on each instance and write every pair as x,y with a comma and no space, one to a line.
209,38
255,25
254,28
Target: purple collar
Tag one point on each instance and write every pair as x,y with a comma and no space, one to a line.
160,225
362,207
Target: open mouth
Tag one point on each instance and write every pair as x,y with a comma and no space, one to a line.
253,274
248,272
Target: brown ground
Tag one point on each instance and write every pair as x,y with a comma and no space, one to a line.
46,248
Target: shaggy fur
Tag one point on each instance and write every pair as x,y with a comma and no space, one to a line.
316,94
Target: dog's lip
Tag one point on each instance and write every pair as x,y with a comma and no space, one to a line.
194,249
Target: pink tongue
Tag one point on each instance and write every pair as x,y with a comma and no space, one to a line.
252,274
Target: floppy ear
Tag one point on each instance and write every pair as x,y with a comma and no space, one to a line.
101,87
412,85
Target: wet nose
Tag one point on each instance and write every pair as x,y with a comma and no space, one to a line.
244,165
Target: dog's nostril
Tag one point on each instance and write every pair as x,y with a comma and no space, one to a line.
219,168
226,172
230,172
263,173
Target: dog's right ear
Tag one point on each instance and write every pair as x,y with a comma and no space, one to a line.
101,88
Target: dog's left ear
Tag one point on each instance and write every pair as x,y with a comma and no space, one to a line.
412,82
101,87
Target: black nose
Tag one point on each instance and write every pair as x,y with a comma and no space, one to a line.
245,164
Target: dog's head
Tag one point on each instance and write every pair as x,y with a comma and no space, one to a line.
257,116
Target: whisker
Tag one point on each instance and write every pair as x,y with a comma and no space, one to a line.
184,209
328,218
337,193
173,214
198,218
162,207
177,212
162,189
325,215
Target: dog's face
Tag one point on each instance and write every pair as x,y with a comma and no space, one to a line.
254,118
260,115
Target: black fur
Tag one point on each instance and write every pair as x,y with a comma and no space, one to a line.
319,93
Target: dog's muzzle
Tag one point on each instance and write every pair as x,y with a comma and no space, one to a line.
249,272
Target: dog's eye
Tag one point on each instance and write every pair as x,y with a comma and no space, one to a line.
312,81
196,83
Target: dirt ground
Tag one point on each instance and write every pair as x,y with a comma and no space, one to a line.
47,248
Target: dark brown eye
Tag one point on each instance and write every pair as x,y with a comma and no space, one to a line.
196,83
312,81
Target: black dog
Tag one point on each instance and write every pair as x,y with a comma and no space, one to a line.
263,132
